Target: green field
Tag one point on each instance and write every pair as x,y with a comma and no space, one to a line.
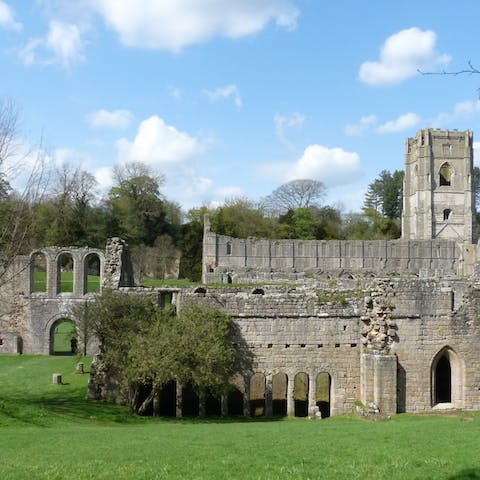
53,432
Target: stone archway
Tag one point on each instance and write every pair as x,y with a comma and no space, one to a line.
63,337
447,379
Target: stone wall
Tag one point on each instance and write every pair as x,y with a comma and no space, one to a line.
318,329
233,260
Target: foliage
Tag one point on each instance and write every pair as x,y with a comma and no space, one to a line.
242,218
385,193
144,346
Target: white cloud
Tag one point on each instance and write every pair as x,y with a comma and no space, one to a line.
401,56
283,122
110,119
157,143
7,18
62,44
173,25
362,126
461,111
370,123
403,122
226,92
332,166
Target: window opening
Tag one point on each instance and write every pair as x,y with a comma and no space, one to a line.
445,175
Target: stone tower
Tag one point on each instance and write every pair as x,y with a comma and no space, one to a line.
438,200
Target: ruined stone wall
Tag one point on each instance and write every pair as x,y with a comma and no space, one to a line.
233,260
321,329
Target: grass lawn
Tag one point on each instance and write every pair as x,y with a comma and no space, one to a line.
53,432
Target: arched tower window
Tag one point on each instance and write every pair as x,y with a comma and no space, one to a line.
229,248
446,214
445,174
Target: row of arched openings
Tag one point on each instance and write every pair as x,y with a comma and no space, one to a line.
65,281
190,404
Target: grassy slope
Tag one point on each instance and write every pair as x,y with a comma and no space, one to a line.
53,432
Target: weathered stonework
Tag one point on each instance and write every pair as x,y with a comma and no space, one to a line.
391,324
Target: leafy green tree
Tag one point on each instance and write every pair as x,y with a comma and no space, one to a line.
143,347
137,207
242,218
385,194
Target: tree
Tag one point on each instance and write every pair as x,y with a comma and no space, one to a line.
295,194
385,194
243,218
143,347
136,204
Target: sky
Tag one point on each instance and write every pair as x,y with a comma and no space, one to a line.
233,98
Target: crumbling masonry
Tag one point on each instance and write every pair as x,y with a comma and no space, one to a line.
381,326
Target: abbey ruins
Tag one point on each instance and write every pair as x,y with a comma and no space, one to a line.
391,324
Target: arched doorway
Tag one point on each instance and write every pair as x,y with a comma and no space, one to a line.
322,399
443,381
279,395
63,337
446,379
300,394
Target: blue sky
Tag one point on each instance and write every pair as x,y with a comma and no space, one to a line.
232,98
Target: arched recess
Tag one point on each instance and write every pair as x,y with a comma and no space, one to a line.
445,175
168,399
446,213
65,273
447,379
322,396
190,401
279,394
91,276
63,338
235,402
257,395
300,394
38,272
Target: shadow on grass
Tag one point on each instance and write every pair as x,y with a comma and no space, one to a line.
469,474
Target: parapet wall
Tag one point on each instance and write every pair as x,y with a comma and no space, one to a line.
233,260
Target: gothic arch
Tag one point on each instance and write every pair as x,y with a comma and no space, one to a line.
447,381
445,174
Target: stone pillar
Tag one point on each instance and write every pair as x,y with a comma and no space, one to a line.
312,393
378,381
202,403
290,396
224,405
246,398
53,277
268,395
178,400
79,276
